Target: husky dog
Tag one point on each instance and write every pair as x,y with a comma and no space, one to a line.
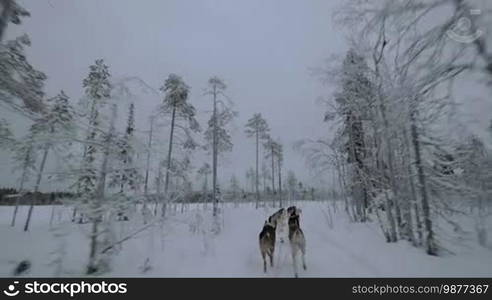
296,237
280,218
267,241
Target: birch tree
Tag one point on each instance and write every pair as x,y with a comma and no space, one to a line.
399,85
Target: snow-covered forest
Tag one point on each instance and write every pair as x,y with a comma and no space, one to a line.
135,145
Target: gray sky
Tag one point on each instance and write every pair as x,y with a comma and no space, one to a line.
263,50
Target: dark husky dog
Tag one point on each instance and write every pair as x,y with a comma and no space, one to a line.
267,241
296,237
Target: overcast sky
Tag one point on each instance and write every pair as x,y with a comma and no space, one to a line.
262,49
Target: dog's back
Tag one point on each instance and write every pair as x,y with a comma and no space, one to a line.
267,242
296,237
280,218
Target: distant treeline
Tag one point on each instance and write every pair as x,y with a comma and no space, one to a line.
9,196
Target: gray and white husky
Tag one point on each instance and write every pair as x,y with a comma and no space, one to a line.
280,218
267,242
296,237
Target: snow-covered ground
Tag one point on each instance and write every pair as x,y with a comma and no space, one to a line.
177,248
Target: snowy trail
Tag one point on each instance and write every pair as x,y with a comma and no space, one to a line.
175,250
340,257
347,250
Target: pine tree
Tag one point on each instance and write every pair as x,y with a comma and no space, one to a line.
19,79
97,91
271,148
250,178
101,237
6,137
279,153
182,114
203,172
50,131
352,99
292,185
91,182
25,160
217,135
235,189
126,174
265,174
149,151
274,153
257,127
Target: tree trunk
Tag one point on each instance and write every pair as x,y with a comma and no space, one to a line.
17,200
257,183
93,265
146,181
149,145
356,171
382,110
16,209
264,182
389,149
343,189
170,149
430,242
273,172
413,196
279,183
214,157
36,188
158,187
168,168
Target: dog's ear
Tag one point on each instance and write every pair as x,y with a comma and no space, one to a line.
299,211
